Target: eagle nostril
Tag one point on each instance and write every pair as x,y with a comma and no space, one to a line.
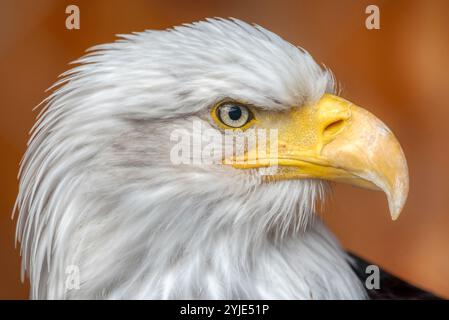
334,127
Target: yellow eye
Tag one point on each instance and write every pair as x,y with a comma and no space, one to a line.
233,115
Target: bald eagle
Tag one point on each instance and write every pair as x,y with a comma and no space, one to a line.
100,191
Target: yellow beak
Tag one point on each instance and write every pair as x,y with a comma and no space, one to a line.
335,140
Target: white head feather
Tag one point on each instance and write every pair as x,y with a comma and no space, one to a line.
98,190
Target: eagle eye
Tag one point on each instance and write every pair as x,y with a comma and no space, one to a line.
233,114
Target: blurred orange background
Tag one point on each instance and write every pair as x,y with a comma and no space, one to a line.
400,73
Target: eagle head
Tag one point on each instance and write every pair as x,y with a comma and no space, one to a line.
128,176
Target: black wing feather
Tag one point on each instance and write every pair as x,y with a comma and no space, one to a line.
391,287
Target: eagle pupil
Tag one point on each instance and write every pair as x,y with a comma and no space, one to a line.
235,113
